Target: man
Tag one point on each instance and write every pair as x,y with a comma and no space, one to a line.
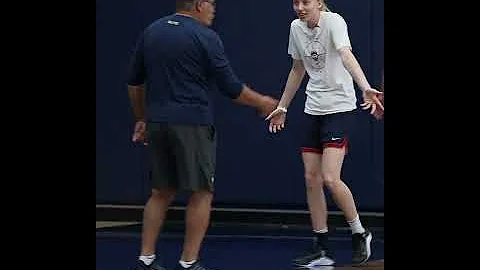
177,59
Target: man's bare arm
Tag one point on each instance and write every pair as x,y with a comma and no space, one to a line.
263,104
137,101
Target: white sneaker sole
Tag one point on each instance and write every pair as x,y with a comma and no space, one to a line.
323,261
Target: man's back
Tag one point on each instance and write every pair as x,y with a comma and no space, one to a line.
178,58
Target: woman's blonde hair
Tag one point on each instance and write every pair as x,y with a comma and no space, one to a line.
324,6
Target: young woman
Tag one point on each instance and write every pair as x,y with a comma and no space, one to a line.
319,45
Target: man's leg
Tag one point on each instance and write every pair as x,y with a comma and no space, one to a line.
153,218
197,218
196,172
163,192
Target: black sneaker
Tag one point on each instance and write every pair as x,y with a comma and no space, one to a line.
361,250
155,265
319,255
195,266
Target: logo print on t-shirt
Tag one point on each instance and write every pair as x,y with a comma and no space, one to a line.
315,54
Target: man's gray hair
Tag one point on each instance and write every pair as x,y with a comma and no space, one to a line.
186,4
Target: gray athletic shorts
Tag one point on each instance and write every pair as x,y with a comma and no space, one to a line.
183,156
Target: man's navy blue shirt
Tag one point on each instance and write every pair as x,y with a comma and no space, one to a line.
178,59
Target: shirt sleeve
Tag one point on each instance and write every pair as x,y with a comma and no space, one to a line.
339,32
226,80
292,47
136,75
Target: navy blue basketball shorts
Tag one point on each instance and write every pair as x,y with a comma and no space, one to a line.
330,130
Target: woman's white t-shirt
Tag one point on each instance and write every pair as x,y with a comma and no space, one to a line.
330,87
